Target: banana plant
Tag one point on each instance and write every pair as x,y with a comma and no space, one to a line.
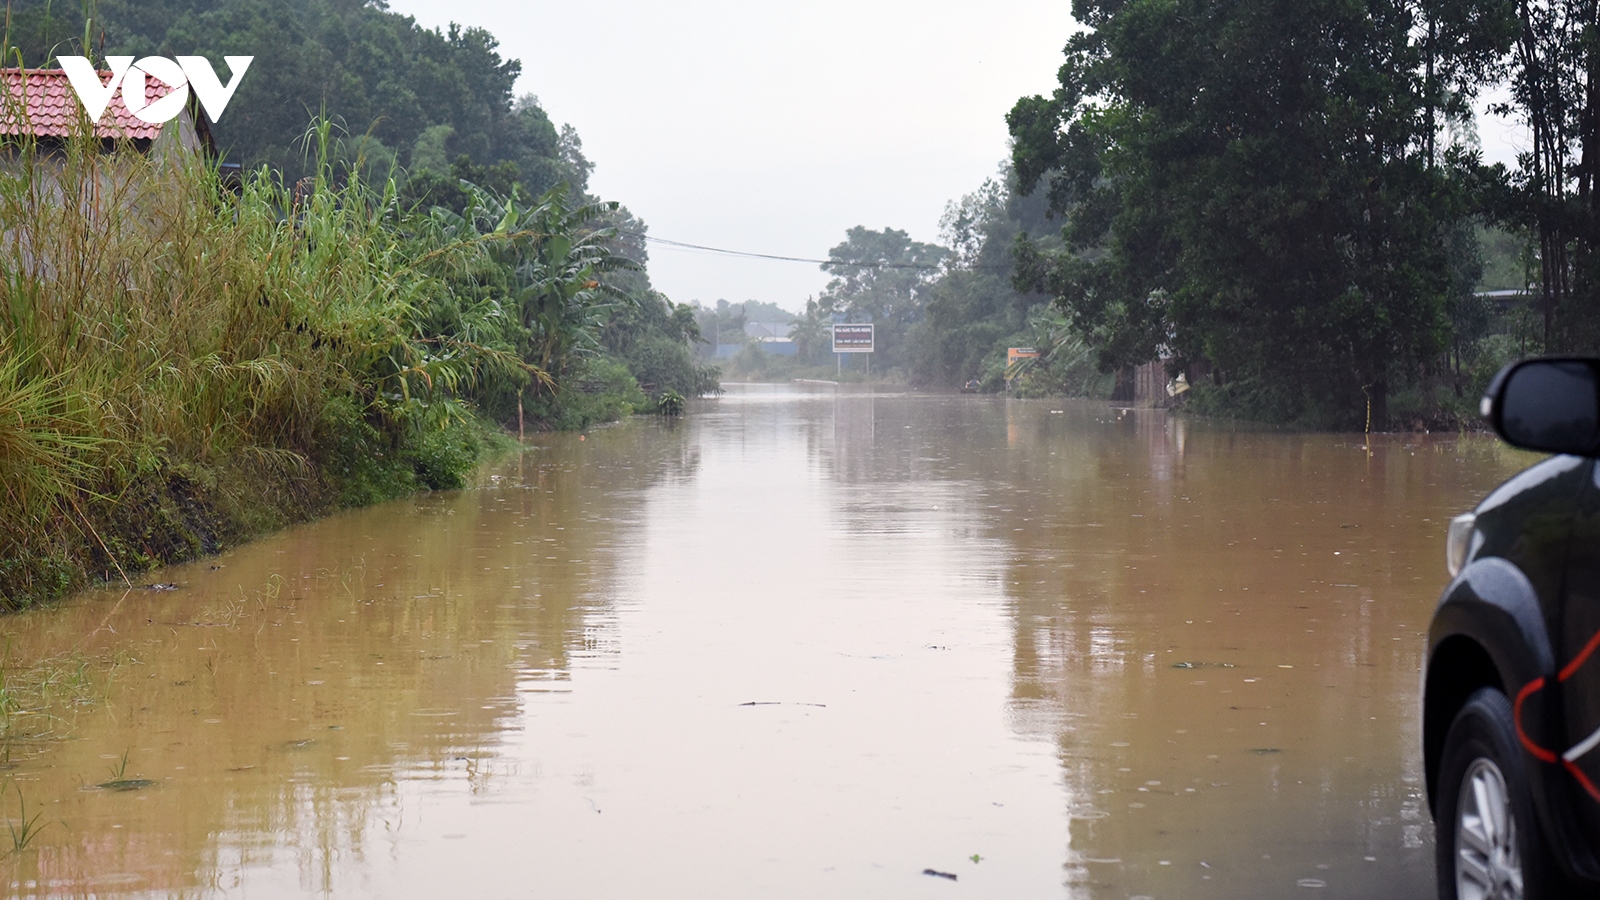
552,260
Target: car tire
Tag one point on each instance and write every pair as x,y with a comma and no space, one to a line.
1489,845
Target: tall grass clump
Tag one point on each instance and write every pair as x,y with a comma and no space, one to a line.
182,365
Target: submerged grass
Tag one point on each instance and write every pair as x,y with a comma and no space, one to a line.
24,828
183,366
39,700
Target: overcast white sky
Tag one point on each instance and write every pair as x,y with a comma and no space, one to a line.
771,127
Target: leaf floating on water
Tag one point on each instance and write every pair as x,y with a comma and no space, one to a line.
937,874
125,784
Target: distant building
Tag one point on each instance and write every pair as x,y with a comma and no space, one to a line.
42,103
767,332
772,337
769,337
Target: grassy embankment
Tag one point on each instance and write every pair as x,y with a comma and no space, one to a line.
182,367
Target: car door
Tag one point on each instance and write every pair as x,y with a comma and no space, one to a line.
1578,655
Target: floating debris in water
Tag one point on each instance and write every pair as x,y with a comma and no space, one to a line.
125,784
938,874
1265,750
1202,665
161,586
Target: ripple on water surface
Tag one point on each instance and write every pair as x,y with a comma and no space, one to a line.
804,642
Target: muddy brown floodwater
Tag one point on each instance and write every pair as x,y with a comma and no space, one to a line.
803,643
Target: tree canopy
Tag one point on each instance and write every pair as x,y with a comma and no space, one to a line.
425,96
1254,185
563,279
881,277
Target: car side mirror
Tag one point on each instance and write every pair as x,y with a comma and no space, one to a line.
1549,405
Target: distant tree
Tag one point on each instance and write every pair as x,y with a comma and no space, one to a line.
762,311
428,154
881,277
812,333
453,189
533,144
569,151
1554,68
974,310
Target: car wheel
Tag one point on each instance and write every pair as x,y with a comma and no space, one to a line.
1489,845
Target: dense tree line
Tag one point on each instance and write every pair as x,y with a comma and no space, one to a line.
1287,196
1284,201
944,313
410,90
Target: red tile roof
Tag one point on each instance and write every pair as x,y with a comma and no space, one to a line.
49,107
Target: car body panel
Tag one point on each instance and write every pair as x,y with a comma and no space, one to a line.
1579,652
1500,623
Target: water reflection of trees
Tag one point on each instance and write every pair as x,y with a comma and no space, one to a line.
1147,553
299,685
1130,541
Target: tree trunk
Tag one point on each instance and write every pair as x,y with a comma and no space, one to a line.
1124,390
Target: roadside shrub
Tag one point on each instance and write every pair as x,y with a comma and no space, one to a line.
600,389
442,458
660,364
180,365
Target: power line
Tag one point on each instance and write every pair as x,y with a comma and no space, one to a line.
802,259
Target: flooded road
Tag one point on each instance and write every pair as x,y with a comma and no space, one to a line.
800,644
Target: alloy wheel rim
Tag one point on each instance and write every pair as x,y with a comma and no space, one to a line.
1488,866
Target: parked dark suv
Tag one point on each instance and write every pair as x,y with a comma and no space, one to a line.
1511,686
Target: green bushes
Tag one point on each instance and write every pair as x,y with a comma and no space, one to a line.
663,365
600,389
181,367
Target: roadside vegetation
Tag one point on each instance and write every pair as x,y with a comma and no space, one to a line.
182,366
185,363
434,112
1289,208
1290,205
